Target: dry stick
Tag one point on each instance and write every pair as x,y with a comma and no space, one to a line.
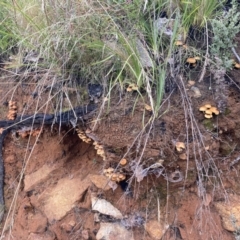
206,59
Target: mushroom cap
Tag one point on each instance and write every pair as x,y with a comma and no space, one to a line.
237,65
214,110
180,146
110,170
202,109
100,152
123,161
197,58
183,156
121,177
191,82
208,115
191,60
208,111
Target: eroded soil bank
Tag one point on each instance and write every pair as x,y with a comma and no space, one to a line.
53,179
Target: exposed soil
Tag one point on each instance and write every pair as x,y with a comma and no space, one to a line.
36,166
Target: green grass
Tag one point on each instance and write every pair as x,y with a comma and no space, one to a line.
97,40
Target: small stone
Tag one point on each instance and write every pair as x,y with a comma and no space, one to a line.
230,212
100,181
44,236
105,207
110,231
155,229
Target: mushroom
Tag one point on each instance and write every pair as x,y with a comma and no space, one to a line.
214,110
202,109
191,60
180,146
208,116
183,156
132,87
123,161
121,177
208,111
237,65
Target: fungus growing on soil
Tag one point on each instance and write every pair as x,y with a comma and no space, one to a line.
132,87
12,112
147,107
191,60
116,177
100,150
82,136
180,146
237,65
209,110
123,161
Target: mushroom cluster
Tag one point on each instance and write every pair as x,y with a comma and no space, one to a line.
100,150
81,134
208,110
24,133
114,176
193,61
12,112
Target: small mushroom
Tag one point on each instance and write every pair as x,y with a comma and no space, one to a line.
237,65
183,156
202,109
208,116
180,146
214,110
208,111
148,108
121,177
123,161
191,60
110,170
132,87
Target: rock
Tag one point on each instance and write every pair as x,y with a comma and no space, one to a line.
230,213
36,177
63,196
155,229
196,91
99,181
144,56
110,231
105,207
37,223
45,236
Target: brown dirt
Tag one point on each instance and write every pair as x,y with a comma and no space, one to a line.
38,166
